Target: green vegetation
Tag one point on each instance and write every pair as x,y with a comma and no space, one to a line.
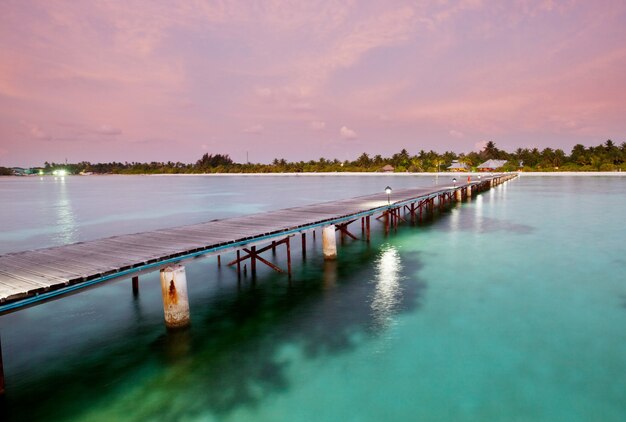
604,157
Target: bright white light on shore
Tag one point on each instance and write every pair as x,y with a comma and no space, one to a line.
60,172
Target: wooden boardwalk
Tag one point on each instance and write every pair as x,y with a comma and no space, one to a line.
31,276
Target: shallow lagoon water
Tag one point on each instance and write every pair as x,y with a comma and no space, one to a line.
509,307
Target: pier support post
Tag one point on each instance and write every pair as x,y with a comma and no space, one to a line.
175,300
329,242
468,192
1,371
458,194
238,263
253,261
135,285
386,215
288,242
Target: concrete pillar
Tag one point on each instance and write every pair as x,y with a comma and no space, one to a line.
175,301
329,242
469,192
458,195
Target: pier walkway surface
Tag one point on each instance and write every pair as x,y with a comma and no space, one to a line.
33,276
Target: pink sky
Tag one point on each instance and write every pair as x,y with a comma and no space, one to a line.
146,80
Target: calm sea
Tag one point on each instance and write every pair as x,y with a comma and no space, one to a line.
509,307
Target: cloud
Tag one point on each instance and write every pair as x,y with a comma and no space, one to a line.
385,29
38,133
254,129
347,133
264,93
456,134
317,125
302,106
108,130
480,145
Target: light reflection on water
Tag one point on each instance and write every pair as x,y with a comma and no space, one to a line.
478,214
388,289
66,227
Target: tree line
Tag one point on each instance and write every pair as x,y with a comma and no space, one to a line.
605,157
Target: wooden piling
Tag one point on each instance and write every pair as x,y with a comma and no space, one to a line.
289,255
386,222
253,260
1,371
175,300
303,245
367,228
238,263
458,194
135,285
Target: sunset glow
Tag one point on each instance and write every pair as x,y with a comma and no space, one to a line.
143,81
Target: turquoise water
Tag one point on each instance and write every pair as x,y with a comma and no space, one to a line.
509,307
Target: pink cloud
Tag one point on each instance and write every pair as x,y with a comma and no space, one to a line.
38,133
317,125
456,134
108,130
254,129
480,145
347,133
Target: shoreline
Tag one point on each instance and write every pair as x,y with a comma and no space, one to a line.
374,174
367,174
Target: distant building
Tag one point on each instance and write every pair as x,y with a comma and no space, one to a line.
491,165
456,166
19,171
387,169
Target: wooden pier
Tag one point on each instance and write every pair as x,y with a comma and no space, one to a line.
30,277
